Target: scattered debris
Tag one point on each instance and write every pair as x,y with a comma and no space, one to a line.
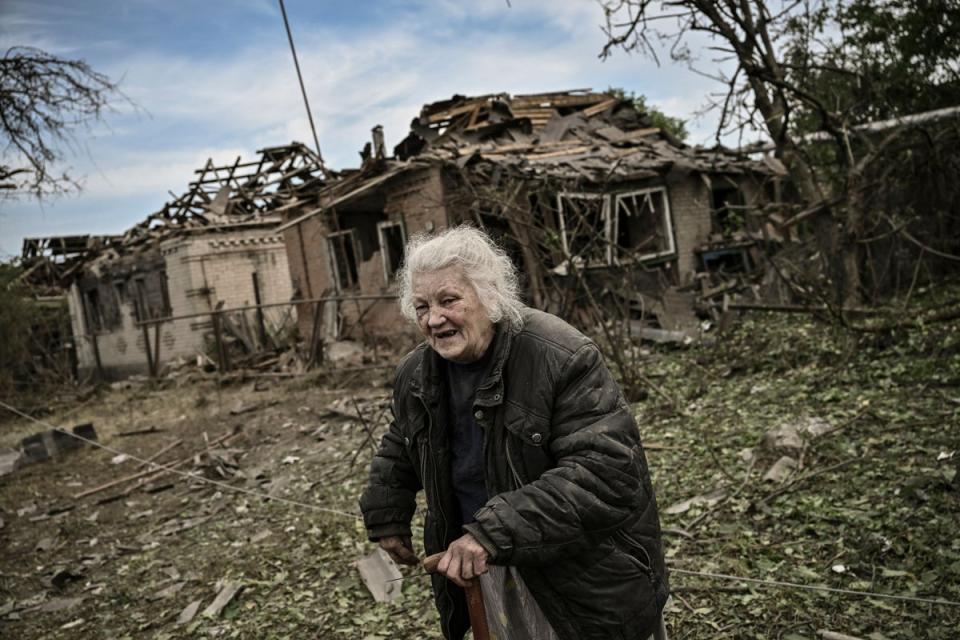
260,536
188,613
781,469
344,353
228,591
45,544
168,591
60,604
9,462
706,499
54,443
139,432
61,577
381,575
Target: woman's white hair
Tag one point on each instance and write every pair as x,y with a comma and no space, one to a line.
484,264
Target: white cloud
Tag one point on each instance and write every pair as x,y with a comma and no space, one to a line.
151,172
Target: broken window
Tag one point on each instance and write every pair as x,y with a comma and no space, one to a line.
728,207
343,257
393,239
584,227
641,226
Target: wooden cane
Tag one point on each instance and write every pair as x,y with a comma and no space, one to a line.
475,608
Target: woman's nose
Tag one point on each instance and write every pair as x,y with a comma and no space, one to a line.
435,318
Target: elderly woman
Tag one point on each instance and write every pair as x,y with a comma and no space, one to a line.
535,479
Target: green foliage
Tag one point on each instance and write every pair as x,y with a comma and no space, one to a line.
675,126
888,58
16,313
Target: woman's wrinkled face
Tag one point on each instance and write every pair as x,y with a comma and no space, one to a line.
450,315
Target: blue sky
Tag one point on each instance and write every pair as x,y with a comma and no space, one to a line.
215,79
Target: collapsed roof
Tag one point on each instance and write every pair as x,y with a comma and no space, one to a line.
577,135
228,196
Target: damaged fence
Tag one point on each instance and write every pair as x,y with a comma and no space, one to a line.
261,336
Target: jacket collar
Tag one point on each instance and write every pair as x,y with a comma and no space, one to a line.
427,382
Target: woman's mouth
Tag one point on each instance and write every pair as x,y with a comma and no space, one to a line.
443,335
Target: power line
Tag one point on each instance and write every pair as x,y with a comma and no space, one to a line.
303,90
813,587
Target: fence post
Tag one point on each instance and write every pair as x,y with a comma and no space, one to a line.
223,361
260,322
315,356
148,349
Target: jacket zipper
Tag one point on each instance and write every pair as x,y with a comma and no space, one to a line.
436,489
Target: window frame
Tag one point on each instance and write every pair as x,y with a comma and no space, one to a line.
334,268
388,276
610,213
604,215
667,224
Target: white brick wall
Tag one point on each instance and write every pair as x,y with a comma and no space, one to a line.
222,262
690,206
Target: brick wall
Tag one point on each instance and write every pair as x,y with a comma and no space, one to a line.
690,209
418,200
201,270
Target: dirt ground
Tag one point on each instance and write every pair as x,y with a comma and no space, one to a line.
870,505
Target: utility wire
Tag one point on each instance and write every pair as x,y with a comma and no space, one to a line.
185,474
813,587
354,516
303,90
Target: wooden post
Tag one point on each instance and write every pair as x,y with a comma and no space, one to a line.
260,324
92,332
315,356
143,317
148,349
156,347
222,361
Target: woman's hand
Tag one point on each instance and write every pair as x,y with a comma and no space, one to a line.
464,560
400,549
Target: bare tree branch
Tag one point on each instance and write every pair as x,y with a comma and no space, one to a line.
43,100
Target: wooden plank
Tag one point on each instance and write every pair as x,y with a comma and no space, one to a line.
599,108
450,114
533,157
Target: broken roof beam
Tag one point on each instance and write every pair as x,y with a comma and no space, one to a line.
557,100
600,108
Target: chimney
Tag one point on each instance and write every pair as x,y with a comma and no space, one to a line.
379,151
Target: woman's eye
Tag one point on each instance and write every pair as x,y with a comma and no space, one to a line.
420,309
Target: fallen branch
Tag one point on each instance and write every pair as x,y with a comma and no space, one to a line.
139,432
149,472
790,486
154,457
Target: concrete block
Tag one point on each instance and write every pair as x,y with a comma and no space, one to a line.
381,576
9,462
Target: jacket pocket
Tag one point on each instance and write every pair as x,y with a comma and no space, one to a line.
530,428
635,551
527,439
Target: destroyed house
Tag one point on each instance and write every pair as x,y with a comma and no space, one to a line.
146,296
570,183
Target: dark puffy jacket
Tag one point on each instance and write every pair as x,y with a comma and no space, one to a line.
572,505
